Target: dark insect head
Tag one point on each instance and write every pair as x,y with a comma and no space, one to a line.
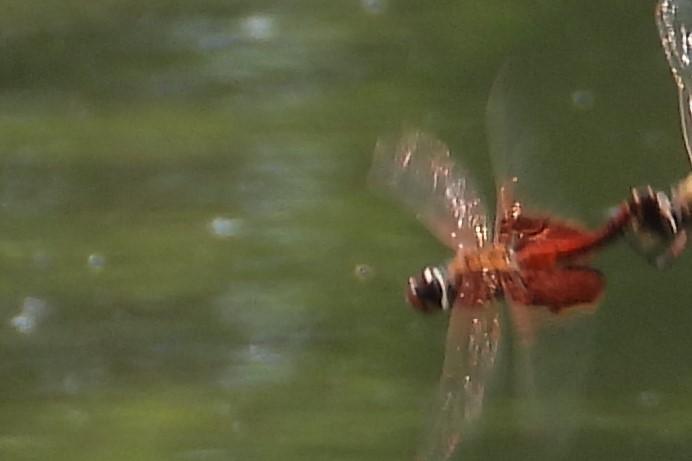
430,290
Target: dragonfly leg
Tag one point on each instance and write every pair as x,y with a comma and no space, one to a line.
676,248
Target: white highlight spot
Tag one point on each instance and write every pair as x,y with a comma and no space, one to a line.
96,261
363,272
428,275
225,227
31,312
374,6
259,27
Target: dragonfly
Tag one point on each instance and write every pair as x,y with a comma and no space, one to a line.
537,264
660,222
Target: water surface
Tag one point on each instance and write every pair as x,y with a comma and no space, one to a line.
194,268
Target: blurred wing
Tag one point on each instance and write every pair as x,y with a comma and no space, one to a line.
504,136
686,119
472,341
417,170
536,143
551,355
511,140
674,20
549,350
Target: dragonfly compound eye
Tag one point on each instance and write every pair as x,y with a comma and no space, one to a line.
430,290
655,225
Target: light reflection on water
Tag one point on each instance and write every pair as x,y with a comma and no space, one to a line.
32,311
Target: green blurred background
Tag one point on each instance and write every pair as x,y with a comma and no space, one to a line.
194,269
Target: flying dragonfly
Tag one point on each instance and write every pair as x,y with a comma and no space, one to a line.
660,222
536,263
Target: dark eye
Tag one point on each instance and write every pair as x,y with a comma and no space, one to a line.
655,227
653,213
429,290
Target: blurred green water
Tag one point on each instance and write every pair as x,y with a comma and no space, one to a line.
184,206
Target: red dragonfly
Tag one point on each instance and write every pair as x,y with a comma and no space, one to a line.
536,263
660,221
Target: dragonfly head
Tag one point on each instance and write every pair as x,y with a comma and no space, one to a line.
657,227
430,290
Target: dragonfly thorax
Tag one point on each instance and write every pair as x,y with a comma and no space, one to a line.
490,259
431,290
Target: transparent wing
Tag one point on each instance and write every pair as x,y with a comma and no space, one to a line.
549,350
551,356
472,342
536,144
686,119
417,170
504,137
513,146
674,20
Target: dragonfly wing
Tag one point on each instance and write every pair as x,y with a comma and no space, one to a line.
686,119
511,139
504,133
552,326
551,354
471,348
536,148
417,170
549,350
674,21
